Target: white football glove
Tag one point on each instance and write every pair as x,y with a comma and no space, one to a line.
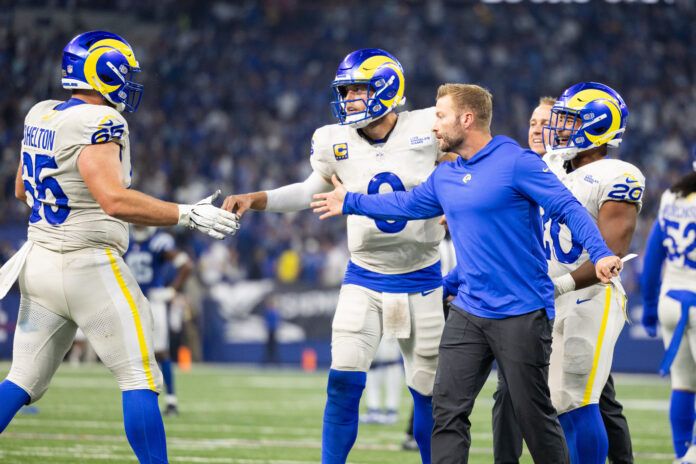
209,219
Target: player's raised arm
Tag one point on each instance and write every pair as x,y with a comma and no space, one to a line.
419,203
100,167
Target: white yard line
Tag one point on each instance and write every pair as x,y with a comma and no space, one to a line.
68,454
207,444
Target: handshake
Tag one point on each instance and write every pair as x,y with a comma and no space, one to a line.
209,219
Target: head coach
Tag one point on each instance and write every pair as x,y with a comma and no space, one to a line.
505,300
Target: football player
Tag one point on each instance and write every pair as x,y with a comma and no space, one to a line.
507,437
673,239
75,173
151,256
393,281
587,120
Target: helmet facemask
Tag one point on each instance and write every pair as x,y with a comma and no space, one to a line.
374,108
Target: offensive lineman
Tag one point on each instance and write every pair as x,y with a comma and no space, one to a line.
151,256
74,173
673,238
587,119
393,281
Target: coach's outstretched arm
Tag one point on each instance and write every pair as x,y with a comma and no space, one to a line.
419,203
533,178
100,167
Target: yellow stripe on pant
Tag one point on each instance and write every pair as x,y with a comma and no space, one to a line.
598,347
136,319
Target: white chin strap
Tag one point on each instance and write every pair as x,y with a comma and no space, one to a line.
360,123
565,153
568,153
357,124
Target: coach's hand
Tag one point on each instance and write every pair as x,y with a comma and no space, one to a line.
608,267
330,203
238,204
209,219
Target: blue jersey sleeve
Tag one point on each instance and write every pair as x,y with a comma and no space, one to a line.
534,179
419,203
450,284
650,280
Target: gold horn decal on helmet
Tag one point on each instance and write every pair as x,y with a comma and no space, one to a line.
91,72
367,70
120,46
583,97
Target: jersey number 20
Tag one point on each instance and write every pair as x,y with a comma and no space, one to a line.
38,188
388,227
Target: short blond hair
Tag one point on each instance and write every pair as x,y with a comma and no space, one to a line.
472,98
550,101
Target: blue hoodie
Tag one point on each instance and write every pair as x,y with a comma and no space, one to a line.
492,206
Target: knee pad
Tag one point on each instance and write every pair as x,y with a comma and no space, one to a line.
41,340
349,355
30,381
422,381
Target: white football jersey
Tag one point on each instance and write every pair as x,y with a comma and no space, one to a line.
677,218
404,161
64,216
592,184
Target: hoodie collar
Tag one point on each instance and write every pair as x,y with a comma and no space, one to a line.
489,148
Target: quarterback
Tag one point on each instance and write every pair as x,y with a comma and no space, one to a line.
586,120
75,173
393,282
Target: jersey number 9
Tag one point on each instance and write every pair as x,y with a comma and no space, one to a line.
388,227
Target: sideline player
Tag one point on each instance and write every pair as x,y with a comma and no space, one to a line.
75,173
586,120
507,437
151,256
673,238
393,280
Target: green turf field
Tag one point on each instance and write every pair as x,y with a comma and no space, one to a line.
249,416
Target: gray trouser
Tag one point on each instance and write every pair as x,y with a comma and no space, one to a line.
521,345
507,437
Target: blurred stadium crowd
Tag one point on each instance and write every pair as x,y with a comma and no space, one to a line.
233,93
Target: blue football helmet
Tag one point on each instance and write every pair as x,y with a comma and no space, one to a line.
384,78
102,61
587,115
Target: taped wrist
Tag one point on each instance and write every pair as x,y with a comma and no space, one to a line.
564,284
